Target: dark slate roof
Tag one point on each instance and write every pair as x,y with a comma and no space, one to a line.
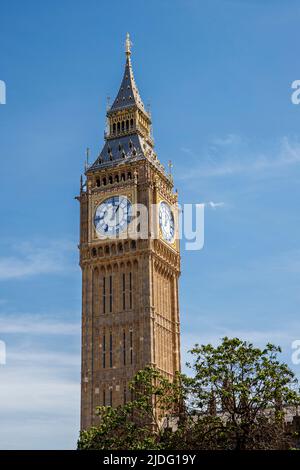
128,94
120,149
128,148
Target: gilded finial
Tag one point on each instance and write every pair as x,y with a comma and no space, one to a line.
128,45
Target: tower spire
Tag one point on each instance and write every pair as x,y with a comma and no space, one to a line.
128,130
128,94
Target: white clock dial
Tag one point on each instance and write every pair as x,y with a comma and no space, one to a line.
113,215
166,221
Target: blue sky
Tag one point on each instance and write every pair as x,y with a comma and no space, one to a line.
218,75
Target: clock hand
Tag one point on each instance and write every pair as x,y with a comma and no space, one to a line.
116,208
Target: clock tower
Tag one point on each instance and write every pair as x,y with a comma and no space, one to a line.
130,312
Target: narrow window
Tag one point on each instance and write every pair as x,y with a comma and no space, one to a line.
124,395
104,398
130,290
114,127
131,347
124,291
103,352
103,295
110,351
110,398
110,293
124,348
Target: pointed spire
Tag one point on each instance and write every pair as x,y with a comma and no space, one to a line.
128,94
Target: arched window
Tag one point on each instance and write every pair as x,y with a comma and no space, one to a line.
123,126
98,182
117,178
110,179
129,175
104,181
127,124
123,177
131,123
118,127
114,128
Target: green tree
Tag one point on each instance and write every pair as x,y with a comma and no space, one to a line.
236,399
239,394
141,423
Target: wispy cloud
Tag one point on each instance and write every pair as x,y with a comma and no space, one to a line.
232,155
39,400
214,205
229,139
264,269
214,334
33,258
36,325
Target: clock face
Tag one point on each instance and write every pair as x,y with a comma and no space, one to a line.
113,215
166,221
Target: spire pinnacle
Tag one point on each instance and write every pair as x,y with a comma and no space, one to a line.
128,94
128,45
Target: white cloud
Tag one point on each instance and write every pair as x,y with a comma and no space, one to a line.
32,259
229,139
36,325
39,405
40,385
263,270
214,205
39,399
232,155
214,334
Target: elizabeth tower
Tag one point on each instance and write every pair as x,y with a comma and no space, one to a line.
130,313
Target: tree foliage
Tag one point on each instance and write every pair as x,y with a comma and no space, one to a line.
138,424
236,399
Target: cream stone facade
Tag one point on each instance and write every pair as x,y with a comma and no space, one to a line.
130,309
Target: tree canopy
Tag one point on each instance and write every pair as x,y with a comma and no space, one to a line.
235,398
